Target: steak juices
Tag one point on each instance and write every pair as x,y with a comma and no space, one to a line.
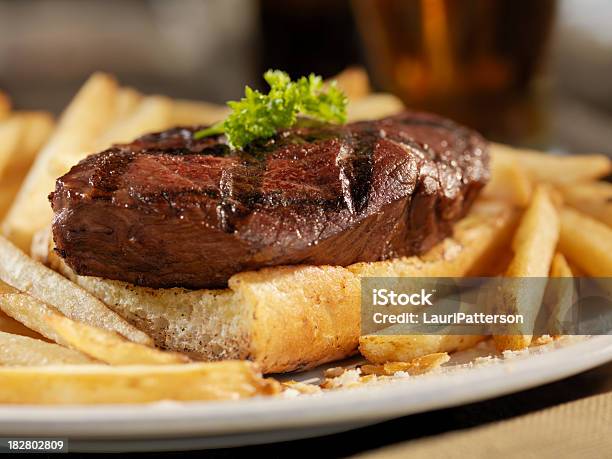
170,211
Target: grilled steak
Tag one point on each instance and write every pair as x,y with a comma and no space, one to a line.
167,211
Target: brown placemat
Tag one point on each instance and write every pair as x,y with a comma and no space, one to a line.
582,428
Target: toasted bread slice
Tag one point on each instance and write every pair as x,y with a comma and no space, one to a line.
290,317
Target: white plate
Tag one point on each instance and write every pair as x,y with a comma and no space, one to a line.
174,426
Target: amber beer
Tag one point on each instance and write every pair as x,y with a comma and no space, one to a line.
473,60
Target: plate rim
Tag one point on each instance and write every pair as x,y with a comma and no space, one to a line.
371,404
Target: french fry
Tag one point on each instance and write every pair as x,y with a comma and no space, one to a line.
5,105
90,112
9,186
560,267
10,136
563,294
534,246
586,242
374,106
594,199
16,158
28,311
103,345
21,272
388,347
102,384
555,169
536,238
107,346
41,244
153,113
509,182
127,101
189,112
417,366
354,82
10,325
576,271
16,350
22,136
37,128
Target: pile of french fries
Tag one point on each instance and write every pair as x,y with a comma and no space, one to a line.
22,134
61,345
564,231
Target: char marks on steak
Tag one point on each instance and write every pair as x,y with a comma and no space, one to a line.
170,211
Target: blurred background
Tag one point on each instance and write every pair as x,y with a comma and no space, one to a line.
527,72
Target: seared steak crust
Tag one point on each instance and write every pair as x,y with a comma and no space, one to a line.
169,211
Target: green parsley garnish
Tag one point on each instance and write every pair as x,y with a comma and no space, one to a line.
259,116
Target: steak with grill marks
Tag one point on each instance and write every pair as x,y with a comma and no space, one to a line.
170,211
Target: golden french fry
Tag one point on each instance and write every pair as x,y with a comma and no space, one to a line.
127,101
389,347
38,127
9,187
191,112
5,105
103,345
153,113
413,367
354,82
102,384
593,199
374,106
556,169
509,182
107,346
560,267
28,311
576,271
21,272
41,244
35,128
10,325
89,113
534,246
586,242
10,136
564,294
27,132
536,238
17,350
6,196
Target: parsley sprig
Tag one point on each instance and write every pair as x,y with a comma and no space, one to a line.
260,116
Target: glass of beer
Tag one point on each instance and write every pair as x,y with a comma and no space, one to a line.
472,60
